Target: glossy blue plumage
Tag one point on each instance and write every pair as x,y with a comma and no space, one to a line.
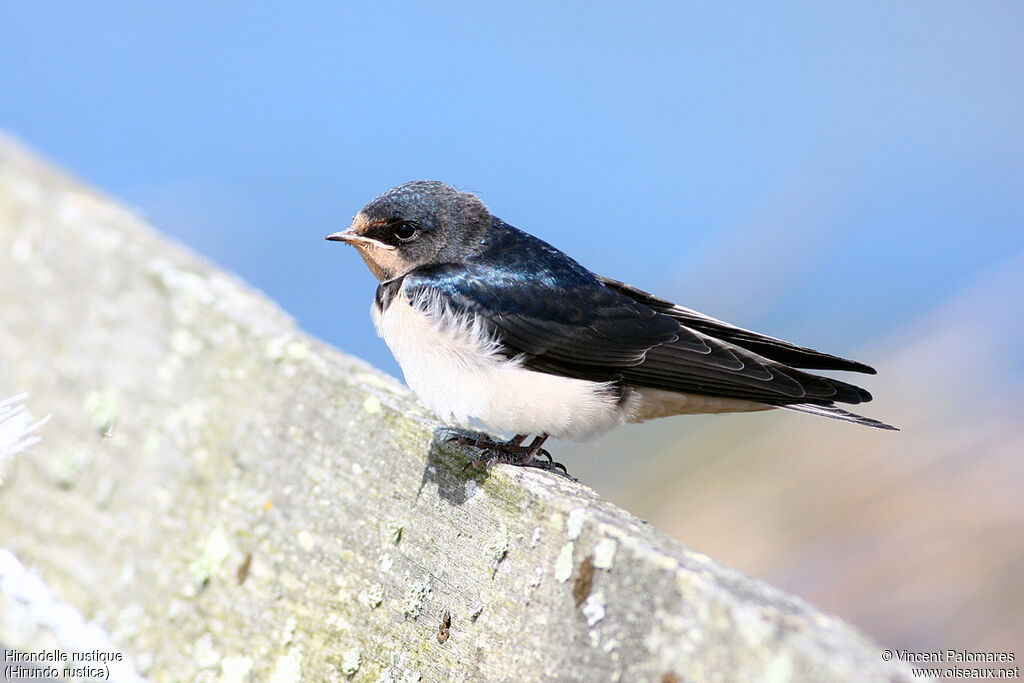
543,303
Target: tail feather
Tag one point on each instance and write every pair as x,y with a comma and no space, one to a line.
838,414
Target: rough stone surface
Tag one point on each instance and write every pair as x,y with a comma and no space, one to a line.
231,499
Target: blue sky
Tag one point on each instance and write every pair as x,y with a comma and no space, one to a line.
817,171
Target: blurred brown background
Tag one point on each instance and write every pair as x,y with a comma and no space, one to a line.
915,536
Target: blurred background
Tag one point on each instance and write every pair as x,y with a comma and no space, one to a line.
847,177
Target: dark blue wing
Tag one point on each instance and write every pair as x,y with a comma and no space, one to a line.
540,305
769,347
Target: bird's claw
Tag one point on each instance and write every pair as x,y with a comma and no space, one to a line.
510,452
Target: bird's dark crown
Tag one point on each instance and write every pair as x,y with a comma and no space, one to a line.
429,202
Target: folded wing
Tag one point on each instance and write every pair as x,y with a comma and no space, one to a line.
566,321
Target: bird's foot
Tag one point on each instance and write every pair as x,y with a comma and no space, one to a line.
481,440
510,452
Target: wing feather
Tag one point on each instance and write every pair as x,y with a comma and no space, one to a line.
560,318
769,347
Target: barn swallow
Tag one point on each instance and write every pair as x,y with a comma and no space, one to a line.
492,323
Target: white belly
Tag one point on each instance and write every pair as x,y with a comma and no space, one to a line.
457,372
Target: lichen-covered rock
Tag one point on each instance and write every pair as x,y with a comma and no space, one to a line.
231,499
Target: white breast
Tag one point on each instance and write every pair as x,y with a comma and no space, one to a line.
458,373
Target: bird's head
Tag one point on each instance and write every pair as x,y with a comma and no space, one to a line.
421,223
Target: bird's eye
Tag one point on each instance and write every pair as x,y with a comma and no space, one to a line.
405,232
